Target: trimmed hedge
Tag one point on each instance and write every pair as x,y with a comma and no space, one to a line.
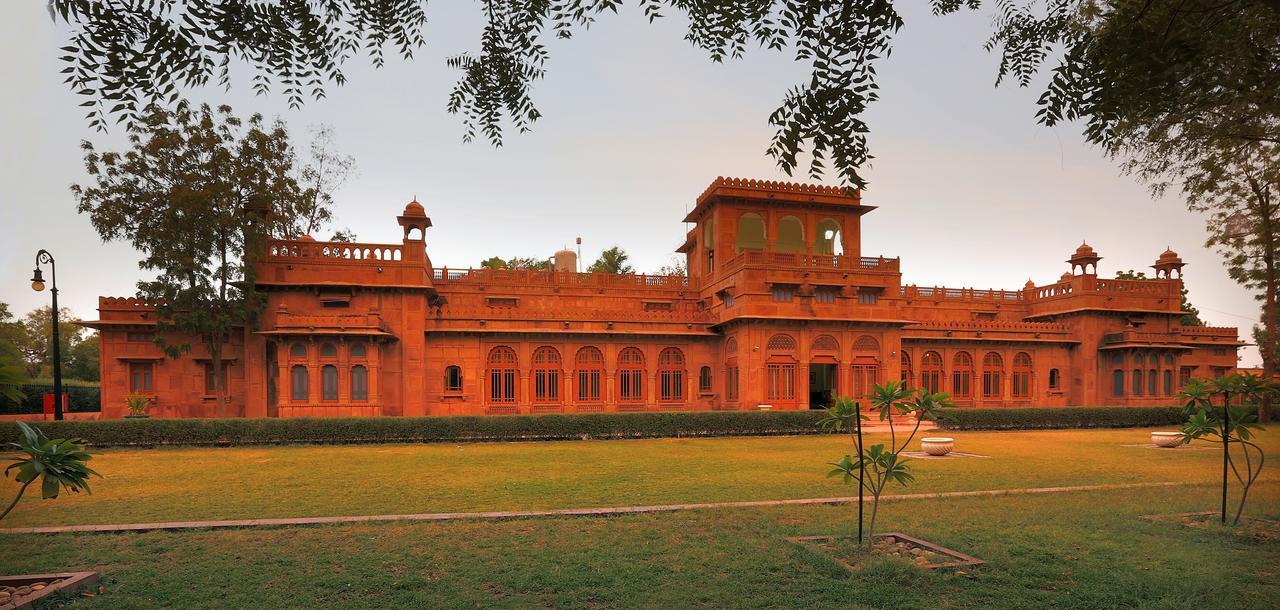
583,426
1061,417
154,432
84,398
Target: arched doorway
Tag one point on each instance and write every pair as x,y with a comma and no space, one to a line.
824,371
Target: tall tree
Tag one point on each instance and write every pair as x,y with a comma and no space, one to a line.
37,340
193,167
83,359
325,171
613,260
676,266
1190,314
1239,190
13,372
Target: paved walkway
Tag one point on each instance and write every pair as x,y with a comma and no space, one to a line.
564,512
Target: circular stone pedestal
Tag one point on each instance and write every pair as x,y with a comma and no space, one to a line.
937,445
1166,439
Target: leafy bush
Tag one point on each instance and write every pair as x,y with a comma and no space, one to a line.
84,398
151,432
1063,417
59,464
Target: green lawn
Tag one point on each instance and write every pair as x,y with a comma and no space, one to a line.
1071,550
1084,549
294,481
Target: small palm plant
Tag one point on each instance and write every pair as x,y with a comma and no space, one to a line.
137,404
883,464
61,463
1228,425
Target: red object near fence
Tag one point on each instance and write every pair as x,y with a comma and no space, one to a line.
48,403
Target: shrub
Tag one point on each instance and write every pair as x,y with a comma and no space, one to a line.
1033,418
84,398
152,432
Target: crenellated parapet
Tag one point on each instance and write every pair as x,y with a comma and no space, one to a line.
125,303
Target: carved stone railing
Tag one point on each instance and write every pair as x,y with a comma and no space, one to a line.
286,250
684,313
1149,287
943,293
523,277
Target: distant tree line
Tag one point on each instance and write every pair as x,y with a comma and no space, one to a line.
26,345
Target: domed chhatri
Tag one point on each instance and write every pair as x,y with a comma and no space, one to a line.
306,238
413,208
1086,259
1169,265
414,221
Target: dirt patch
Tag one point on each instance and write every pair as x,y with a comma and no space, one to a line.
1253,528
851,556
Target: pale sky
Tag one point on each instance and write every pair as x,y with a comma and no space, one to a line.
636,122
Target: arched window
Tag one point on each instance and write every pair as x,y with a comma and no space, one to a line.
825,343
1136,387
781,344
866,365
962,375
751,234
790,235
1117,383
358,350
931,372
671,375
704,379
731,347
327,350
298,382
298,350
780,368
502,375
1055,379
1152,383
546,375
453,379
907,375
328,382
630,376
1022,375
1168,382
590,369
709,243
830,241
866,344
992,371
359,382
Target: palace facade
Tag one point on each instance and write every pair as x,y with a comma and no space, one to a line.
781,308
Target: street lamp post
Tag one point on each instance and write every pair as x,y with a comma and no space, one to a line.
37,284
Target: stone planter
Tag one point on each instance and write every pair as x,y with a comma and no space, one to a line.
937,445
1166,439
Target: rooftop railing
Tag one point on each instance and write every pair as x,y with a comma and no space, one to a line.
960,294
283,249
446,275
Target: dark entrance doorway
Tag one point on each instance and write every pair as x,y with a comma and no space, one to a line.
822,384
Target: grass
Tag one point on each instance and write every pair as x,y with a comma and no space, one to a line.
1086,549
1070,550
294,481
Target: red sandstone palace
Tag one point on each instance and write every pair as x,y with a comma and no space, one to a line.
780,308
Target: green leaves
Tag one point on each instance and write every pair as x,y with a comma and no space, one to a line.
60,463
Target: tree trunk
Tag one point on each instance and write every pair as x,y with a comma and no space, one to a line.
1270,312
219,388
21,491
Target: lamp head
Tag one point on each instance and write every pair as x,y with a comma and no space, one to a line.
37,280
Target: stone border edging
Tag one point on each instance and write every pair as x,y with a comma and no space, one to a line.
561,512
